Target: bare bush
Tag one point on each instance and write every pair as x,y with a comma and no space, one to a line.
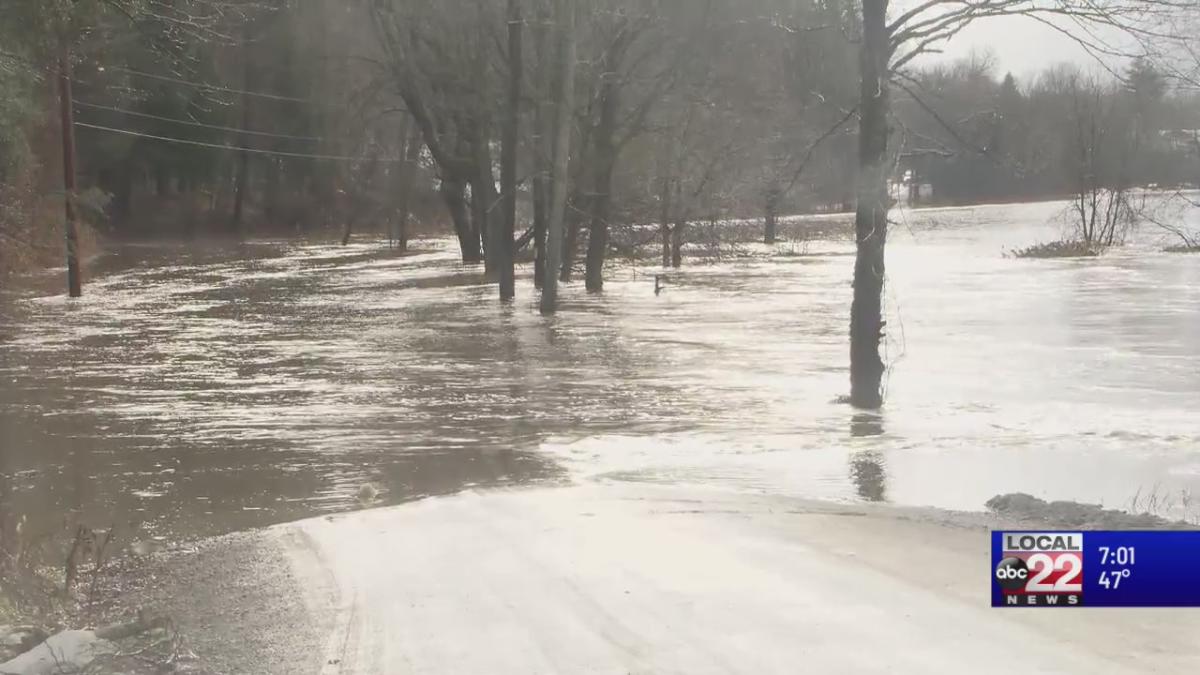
1057,249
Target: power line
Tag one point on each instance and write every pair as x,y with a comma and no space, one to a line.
219,146
208,87
194,124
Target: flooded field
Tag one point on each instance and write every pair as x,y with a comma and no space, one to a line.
198,391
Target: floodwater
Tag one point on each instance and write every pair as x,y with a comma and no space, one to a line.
199,391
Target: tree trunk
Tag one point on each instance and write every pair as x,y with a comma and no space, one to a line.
408,175
508,161
870,225
677,243
562,154
271,194
543,144
454,195
123,192
576,200
483,195
540,212
162,181
572,222
606,157
243,160
345,206
664,227
772,208
66,109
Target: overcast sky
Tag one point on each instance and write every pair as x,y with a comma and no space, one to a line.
1021,45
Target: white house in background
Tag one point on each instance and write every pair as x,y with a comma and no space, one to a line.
905,191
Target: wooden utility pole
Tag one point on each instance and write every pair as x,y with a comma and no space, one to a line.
67,105
508,161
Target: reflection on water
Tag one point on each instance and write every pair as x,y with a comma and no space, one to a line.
867,470
206,390
866,424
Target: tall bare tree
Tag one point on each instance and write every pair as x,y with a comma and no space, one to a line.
512,131
565,15
891,44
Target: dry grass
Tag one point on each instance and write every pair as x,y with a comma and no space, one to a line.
52,578
1159,502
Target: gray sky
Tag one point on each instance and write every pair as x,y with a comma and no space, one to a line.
1020,44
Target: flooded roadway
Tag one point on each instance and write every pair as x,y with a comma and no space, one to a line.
194,392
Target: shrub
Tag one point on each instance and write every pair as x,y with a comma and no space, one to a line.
1058,249
1183,248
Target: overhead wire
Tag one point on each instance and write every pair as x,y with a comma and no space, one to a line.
220,146
208,87
133,113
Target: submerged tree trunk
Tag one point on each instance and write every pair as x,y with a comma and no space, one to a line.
562,142
572,222
606,157
577,201
508,177
483,196
454,195
870,225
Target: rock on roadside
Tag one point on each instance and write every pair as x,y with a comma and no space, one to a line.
66,652
16,640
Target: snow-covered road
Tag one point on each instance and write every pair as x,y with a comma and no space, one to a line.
642,579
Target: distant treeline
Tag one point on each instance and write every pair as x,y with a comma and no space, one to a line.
994,138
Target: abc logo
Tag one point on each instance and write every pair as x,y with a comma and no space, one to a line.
1012,573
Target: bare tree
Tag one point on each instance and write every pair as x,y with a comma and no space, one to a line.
641,51
888,46
565,14
438,56
512,129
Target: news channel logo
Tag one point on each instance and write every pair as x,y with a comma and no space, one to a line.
1040,569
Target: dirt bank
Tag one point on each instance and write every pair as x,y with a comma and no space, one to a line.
234,600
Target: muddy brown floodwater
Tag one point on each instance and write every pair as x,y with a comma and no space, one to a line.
196,391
